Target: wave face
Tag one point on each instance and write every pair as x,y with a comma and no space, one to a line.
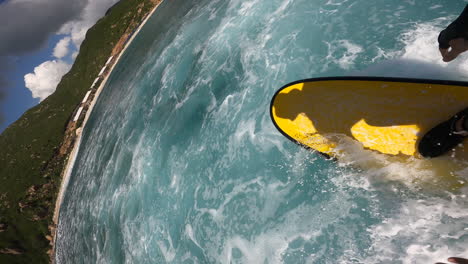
180,163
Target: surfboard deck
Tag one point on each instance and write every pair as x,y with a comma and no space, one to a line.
386,115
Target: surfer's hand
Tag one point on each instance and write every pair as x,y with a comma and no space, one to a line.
455,260
443,52
448,55
457,46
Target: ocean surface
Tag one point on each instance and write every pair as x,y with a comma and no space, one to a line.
180,162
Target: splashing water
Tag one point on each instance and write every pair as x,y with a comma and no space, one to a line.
180,162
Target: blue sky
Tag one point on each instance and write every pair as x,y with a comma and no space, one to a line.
18,98
50,21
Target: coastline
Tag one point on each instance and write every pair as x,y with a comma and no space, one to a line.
74,153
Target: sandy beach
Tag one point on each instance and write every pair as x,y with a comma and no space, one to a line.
73,155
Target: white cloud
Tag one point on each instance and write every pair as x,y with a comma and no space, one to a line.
61,49
77,28
27,24
45,78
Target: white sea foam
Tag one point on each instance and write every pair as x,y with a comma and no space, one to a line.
419,57
244,129
423,231
342,52
189,233
301,225
167,249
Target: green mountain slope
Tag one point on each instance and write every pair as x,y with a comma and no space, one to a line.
30,158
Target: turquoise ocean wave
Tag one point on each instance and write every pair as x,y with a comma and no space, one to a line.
180,163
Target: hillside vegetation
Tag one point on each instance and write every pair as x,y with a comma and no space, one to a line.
31,160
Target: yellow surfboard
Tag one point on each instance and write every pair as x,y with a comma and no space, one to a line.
385,115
